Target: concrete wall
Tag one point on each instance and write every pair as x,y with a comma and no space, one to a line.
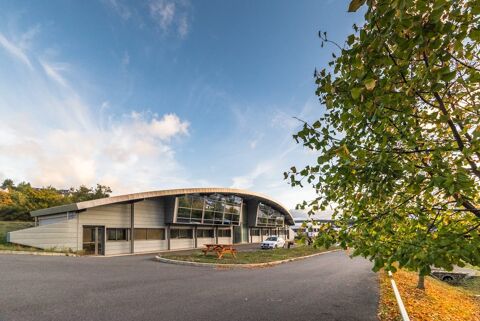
62,236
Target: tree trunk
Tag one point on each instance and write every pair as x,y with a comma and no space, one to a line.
421,281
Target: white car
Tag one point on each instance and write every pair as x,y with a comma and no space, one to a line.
273,242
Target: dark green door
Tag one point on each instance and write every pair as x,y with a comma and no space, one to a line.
237,234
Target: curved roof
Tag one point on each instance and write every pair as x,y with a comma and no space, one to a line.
170,192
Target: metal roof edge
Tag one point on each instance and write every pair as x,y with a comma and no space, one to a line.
151,194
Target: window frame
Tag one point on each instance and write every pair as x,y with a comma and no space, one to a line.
115,229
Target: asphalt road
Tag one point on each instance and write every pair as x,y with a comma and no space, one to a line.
327,287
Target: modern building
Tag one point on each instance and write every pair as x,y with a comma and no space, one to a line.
157,221
310,223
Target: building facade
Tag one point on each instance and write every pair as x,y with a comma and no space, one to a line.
157,221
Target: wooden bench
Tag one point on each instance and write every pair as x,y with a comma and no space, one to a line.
209,247
223,251
220,249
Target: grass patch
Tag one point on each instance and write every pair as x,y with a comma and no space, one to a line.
471,285
473,267
440,301
260,256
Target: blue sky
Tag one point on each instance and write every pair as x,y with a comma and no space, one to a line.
153,94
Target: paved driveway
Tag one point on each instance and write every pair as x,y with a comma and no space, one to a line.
326,287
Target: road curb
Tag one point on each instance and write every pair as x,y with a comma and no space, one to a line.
36,253
239,266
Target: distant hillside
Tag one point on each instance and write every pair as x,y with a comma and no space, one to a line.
17,201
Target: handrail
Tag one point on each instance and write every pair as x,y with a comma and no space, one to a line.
403,311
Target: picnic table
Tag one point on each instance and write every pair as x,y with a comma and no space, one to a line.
220,249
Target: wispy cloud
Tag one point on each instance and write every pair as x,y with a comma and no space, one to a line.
14,50
171,16
120,8
53,71
125,59
53,135
272,150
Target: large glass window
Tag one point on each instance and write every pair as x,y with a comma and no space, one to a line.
196,216
267,216
218,218
208,217
117,234
185,201
183,214
197,202
212,209
176,233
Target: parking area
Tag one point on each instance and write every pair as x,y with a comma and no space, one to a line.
326,287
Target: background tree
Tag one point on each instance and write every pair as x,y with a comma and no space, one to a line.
18,201
398,144
84,193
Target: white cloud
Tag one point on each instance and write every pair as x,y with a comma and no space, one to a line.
54,71
132,153
171,15
163,11
50,135
166,127
183,27
14,50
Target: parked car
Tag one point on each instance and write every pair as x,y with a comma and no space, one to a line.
273,242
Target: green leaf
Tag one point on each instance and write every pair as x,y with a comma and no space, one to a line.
355,92
355,4
370,84
350,40
448,75
475,34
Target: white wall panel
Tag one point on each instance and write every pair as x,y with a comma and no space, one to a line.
150,246
117,247
205,240
177,244
114,215
61,236
224,240
51,219
150,213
